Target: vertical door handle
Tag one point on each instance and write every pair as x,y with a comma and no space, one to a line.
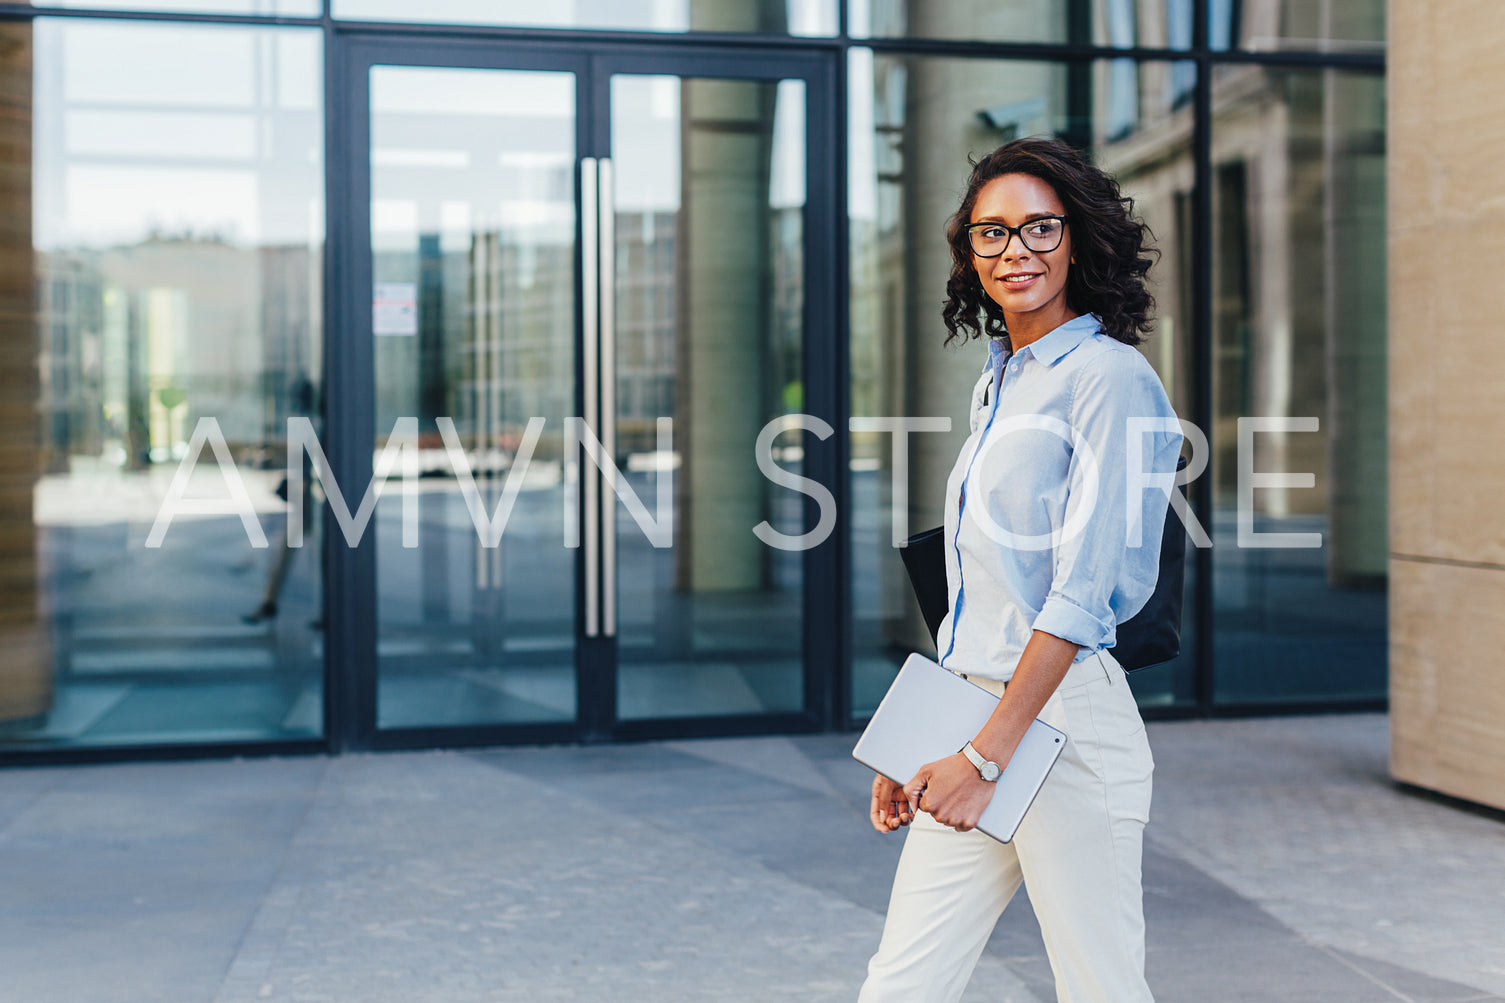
608,241
589,479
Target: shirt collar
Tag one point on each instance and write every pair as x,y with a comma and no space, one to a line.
1063,339
996,354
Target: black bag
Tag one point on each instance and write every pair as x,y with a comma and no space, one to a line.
1149,637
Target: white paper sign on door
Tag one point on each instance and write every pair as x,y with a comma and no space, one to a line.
394,309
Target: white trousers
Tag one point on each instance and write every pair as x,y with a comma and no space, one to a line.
1078,849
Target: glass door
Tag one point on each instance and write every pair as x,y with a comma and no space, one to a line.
465,308
588,283
709,200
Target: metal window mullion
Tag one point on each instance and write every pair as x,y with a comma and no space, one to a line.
589,480
606,230
1201,494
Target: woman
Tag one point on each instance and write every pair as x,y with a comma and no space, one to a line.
1047,551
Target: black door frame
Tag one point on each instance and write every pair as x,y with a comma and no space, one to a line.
350,582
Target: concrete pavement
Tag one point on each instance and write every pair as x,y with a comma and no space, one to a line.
1281,865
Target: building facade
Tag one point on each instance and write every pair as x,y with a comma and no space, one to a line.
259,251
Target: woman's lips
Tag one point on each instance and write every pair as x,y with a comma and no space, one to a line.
1020,280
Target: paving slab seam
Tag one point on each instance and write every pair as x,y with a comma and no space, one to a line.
257,949
1369,976
25,806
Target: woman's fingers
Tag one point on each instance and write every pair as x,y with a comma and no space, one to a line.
882,811
878,813
890,805
915,789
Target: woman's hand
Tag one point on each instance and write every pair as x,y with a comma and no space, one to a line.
952,791
891,807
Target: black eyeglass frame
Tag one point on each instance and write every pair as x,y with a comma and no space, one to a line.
1017,231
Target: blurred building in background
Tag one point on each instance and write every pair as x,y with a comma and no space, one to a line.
724,212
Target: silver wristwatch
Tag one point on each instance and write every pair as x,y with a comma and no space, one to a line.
990,771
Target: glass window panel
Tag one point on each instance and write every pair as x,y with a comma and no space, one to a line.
810,18
710,201
269,8
1265,25
914,122
175,217
1122,24
1299,333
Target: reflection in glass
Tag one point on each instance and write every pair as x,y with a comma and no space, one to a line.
814,18
1330,26
1299,332
1120,24
268,8
710,201
914,122
473,258
176,219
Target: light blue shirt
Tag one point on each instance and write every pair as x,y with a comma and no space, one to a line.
1041,512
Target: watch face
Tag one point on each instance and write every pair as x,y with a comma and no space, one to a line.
990,771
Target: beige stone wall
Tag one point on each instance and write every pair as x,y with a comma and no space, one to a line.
1447,396
25,666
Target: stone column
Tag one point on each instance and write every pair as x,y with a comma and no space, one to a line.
724,287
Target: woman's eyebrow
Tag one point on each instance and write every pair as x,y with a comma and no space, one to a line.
1027,219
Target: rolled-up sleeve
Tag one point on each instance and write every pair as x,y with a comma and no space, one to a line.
1099,579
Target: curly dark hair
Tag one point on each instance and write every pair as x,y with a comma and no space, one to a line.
1107,241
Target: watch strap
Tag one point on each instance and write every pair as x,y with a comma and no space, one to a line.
983,765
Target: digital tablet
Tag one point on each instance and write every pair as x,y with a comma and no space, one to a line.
929,713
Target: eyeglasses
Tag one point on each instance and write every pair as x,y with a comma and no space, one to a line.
1042,236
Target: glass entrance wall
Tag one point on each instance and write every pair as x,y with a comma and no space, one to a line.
176,240
473,319
162,226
